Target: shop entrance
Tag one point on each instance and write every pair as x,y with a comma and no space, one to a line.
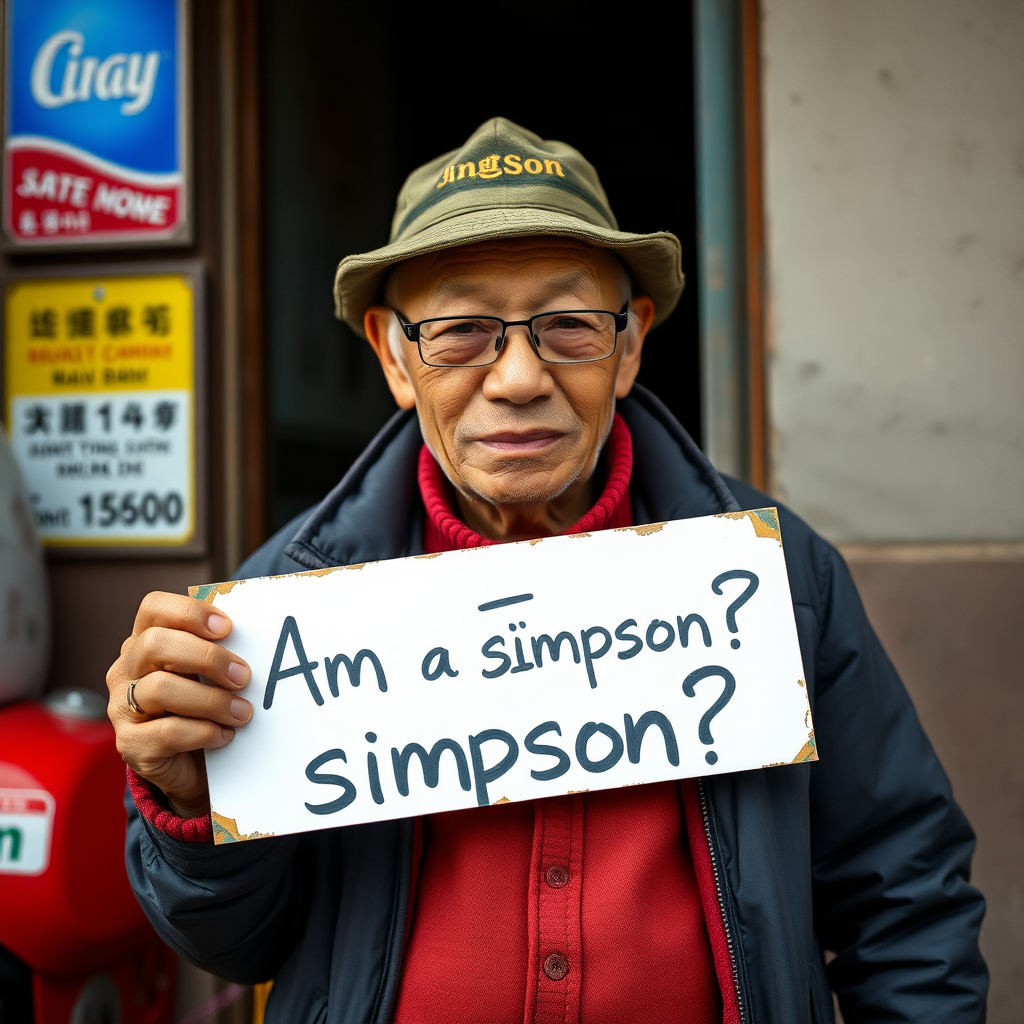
355,96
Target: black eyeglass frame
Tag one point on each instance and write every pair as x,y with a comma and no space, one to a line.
412,333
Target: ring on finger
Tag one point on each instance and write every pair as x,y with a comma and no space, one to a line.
130,698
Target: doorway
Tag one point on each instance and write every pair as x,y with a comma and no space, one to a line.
355,96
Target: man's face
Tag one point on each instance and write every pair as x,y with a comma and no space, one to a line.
519,431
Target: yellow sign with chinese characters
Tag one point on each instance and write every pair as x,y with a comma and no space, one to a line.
99,402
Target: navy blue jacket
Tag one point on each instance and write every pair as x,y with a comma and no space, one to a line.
863,853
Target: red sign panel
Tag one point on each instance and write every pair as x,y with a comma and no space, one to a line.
56,196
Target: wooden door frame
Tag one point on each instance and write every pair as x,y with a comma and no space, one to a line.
754,229
245,390
730,210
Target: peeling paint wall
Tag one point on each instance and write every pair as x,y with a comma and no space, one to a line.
894,161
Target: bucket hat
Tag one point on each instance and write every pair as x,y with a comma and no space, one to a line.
507,182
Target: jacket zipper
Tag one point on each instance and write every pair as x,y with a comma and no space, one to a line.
720,894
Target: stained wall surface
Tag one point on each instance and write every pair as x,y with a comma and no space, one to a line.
894,161
952,627
894,193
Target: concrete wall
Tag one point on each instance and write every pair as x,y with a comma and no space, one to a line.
894,164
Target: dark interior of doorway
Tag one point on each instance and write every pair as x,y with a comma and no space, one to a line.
356,95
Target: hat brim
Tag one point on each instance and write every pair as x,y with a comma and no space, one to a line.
654,261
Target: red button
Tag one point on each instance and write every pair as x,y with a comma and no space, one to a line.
556,967
556,876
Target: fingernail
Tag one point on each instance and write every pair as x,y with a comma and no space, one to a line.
217,624
240,710
238,673
227,734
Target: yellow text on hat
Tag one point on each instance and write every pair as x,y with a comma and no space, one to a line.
494,166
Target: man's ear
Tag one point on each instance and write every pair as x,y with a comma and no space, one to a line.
377,322
629,365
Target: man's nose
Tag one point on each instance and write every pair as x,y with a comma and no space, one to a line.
518,375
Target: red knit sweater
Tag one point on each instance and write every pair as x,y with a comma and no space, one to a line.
598,908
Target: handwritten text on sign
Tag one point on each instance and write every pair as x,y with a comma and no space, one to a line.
512,672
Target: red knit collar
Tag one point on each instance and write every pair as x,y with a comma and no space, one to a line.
444,531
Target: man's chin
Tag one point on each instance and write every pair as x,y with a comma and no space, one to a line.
509,488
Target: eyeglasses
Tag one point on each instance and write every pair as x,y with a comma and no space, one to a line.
562,336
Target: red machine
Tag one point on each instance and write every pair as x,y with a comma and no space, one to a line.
66,909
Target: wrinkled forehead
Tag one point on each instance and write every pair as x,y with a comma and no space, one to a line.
506,271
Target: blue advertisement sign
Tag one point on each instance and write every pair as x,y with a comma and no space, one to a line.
95,130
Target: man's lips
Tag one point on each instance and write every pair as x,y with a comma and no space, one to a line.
521,440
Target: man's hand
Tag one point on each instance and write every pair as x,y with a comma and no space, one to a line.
172,644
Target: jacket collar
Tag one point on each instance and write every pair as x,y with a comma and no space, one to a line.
375,512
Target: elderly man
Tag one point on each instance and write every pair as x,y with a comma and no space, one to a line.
509,314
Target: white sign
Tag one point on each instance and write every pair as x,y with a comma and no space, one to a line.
110,467
26,824
511,672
